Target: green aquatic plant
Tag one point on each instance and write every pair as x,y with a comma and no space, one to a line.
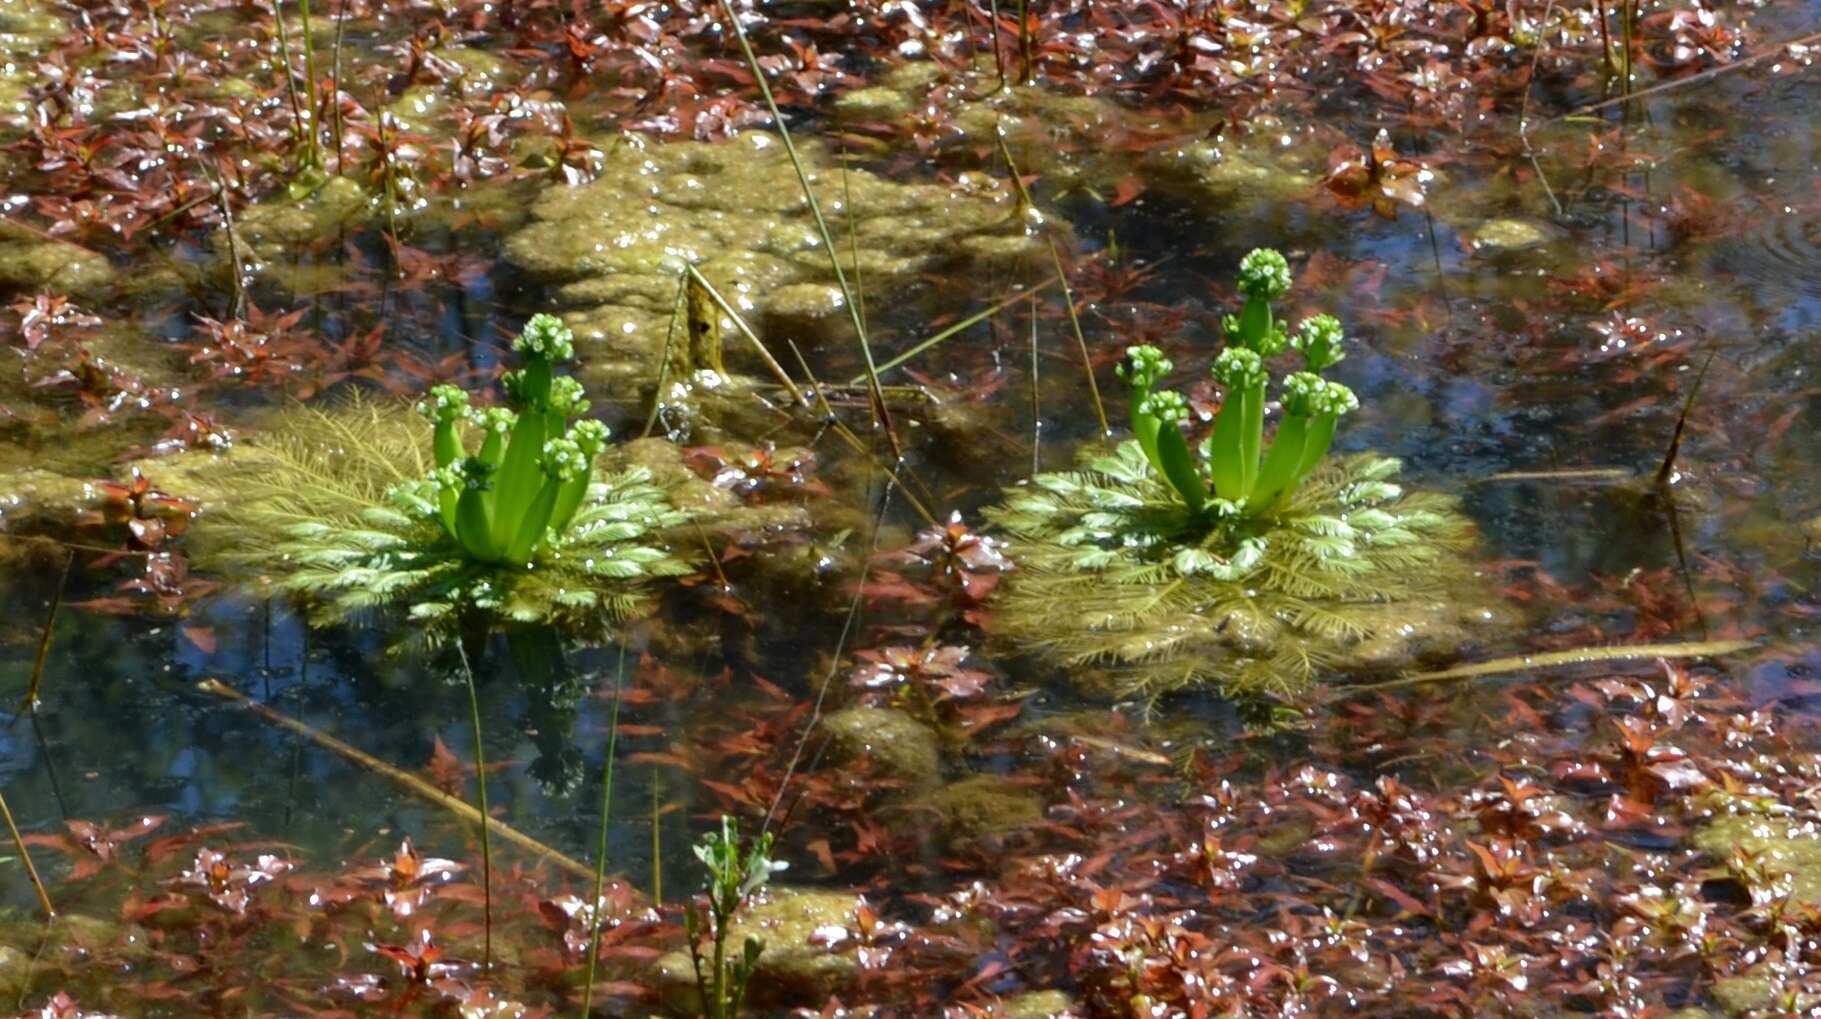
734,874
355,507
1162,564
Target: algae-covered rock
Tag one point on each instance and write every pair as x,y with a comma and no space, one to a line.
898,744
1753,991
41,499
981,806
277,226
1038,1005
1787,848
613,249
797,967
1508,235
1812,531
1220,173
876,102
53,266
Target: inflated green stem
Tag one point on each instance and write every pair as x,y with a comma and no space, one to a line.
1312,409
1173,457
445,407
563,463
1233,451
1144,365
473,512
590,437
447,482
495,423
519,477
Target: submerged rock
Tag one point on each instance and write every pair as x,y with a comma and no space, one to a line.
277,226
876,102
1038,1005
53,266
981,806
1788,849
1508,235
898,744
796,968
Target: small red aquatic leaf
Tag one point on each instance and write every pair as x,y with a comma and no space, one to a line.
202,636
446,770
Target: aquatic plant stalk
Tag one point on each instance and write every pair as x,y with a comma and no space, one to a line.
958,328
486,816
600,852
1575,656
460,808
880,411
740,326
25,857
30,703
1081,340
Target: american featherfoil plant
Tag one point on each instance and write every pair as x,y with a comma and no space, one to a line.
358,507
1163,565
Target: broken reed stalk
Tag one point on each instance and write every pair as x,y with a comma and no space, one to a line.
600,852
30,704
31,870
341,26
670,336
1740,64
1675,438
960,327
1575,656
998,55
771,363
1081,340
846,434
236,265
460,808
480,781
880,411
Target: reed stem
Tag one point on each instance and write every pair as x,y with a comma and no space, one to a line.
31,870
480,781
30,704
600,853
880,412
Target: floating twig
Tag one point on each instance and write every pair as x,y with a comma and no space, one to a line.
453,805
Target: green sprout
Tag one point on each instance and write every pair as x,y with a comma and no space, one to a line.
1245,479
532,470
733,876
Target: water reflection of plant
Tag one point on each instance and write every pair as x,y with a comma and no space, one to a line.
1248,566
353,509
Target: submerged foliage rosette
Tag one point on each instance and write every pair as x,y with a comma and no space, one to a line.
358,507
1232,563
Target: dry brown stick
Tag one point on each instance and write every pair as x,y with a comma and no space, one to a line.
1712,72
30,704
31,871
416,785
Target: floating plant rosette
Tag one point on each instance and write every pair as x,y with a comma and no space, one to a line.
508,513
1156,566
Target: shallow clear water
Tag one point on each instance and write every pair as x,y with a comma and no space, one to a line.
1471,364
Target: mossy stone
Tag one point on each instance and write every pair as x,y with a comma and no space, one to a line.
1508,235
981,806
736,211
53,266
1753,991
898,744
876,102
1038,1005
45,499
1785,847
276,227
795,968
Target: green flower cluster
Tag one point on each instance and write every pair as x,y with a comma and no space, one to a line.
1237,476
533,468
